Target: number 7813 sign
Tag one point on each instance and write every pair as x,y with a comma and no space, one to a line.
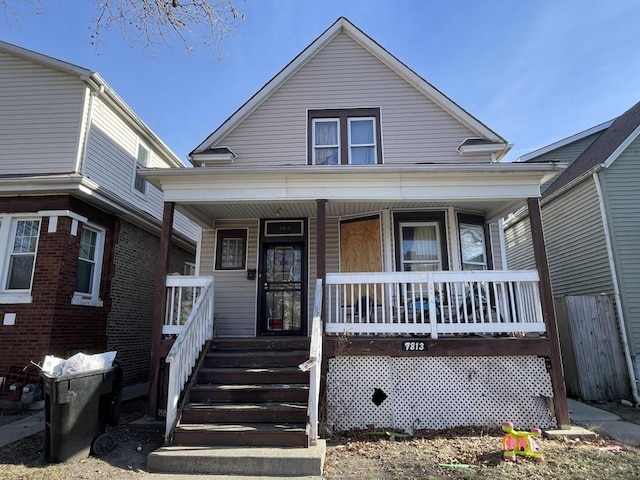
414,346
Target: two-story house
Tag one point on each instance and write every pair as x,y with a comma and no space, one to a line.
79,227
351,205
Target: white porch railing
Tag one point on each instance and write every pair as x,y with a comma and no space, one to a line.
434,303
314,365
182,294
195,332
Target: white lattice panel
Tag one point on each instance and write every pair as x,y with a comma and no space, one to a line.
438,392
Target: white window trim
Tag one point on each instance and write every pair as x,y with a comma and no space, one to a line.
356,145
93,299
7,235
135,170
313,133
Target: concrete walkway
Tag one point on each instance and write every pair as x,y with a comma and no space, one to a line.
27,426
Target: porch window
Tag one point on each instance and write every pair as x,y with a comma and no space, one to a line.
420,247
343,137
142,161
473,247
475,252
89,263
231,249
23,254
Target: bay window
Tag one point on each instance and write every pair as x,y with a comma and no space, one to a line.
89,265
22,254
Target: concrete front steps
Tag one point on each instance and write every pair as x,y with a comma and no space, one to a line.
244,461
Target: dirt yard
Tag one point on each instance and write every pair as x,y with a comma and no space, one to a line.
452,454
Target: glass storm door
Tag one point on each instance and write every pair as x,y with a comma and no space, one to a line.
283,306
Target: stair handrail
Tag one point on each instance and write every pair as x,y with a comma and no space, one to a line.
197,330
315,365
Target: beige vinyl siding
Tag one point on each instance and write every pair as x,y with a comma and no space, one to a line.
576,247
344,75
621,188
519,246
235,296
41,117
332,255
496,248
110,161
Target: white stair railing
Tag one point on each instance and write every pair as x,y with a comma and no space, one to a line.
197,330
314,365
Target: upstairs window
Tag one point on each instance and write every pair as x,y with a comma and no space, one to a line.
22,256
142,161
344,137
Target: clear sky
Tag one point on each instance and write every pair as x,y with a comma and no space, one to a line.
533,71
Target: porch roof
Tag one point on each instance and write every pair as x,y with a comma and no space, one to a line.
208,193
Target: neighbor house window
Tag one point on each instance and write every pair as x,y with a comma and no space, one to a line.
22,254
231,249
142,161
473,244
344,137
89,263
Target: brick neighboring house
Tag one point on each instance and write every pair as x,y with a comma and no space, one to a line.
79,228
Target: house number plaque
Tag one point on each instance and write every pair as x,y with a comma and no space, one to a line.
414,346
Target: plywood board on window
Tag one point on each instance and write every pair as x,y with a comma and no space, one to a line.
361,247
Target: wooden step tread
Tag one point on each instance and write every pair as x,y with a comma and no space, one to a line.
256,353
246,406
250,370
257,386
244,427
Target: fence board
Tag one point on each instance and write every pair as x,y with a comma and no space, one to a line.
594,365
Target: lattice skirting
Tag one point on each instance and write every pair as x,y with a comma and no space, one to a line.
437,392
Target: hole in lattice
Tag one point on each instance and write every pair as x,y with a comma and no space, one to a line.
378,397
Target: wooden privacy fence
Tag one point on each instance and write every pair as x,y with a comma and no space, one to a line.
594,366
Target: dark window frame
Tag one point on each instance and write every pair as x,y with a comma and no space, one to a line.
479,220
408,217
343,116
221,235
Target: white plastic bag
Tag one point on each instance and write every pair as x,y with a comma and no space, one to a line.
80,363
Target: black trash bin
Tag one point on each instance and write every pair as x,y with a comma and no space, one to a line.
78,408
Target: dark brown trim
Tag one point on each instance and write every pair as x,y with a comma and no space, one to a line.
549,314
161,305
344,115
440,217
448,347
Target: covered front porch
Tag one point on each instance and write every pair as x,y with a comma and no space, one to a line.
409,259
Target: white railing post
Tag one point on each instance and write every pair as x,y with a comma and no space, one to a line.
314,365
433,320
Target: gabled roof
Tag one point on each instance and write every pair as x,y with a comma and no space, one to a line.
98,84
344,25
604,149
532,156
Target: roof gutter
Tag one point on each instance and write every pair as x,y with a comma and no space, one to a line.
616,293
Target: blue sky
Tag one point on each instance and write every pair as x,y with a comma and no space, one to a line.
533,71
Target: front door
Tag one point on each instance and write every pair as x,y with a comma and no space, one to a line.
282,289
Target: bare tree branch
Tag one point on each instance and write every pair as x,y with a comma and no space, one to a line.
150,22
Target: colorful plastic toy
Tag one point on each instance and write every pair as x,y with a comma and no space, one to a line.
520,443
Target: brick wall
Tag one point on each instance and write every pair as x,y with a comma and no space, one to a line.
50,324
133,302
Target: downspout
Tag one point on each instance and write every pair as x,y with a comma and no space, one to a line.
616,293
